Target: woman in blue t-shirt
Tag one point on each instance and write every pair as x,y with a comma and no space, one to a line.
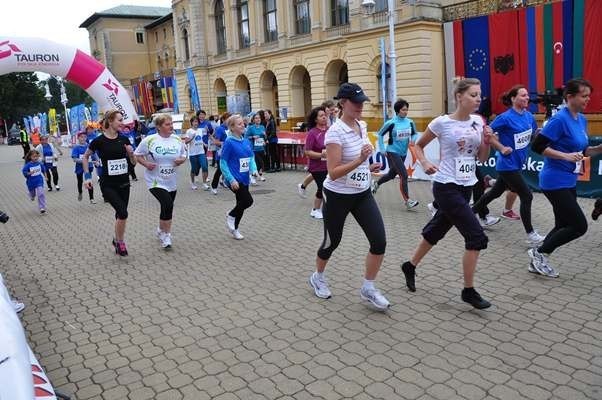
563,143
514,129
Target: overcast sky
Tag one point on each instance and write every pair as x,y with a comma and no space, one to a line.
58,20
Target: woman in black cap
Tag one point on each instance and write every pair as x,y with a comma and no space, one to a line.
347,190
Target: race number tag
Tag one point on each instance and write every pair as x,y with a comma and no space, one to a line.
35,171
48,159
359,177
117,167
402,134
522,139
578,168
259,142
166,171
244,164
465,168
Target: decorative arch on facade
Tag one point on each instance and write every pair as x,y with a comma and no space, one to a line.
268,85
300,91
335,74
220,93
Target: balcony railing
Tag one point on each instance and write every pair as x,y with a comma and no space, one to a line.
300,39
336,31
476,8
380,18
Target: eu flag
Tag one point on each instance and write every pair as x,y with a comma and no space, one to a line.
476,51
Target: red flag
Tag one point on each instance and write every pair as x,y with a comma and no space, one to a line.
592,52
504,50
459,48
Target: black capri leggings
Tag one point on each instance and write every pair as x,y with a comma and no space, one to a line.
514,181
569,220
80,183
260,160
319,177
55,176
118,197
364,209
166,199
244,200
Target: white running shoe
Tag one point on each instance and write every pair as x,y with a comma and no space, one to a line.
539,263
206,187
317,214
166,240
17,305
237,235
58,188
411,203
374,186
214,191
320,286
159,234
534,238
489,220
375,298
432,209
253,181
302,193
92,201
262,178
230,223
194,187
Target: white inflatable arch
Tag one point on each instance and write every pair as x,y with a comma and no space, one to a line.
18,54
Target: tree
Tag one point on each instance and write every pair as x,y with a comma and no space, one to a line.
75,94
21,94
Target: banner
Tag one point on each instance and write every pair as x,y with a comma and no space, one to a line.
53,124
81,118
94,112
73,120
26,125
194,94
176,104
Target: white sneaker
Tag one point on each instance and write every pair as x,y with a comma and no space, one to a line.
301,191
17,306
58,188
92,201
262,178
534,238
320,286
432,209
237,235
214,191
489,220
374,186
374,297
539,264
159,234
166,240
230,223
317,214
206,187
207,180
194,187
253,181
411,203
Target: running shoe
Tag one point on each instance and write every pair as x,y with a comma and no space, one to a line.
17,305
472,297
317,214
194,187
320,286
120,248
375,298
597,209
32,198
301,191
58,188
511,215
432,208
50,189
539,263
79,197
534,238
214,191
411,203
230,223
489,220
237,235
374,186
158,234
409,271
166,240
206,187
262,178
42,211
253,181
92,201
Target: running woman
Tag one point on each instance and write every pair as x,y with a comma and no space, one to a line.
256,133
236,163
113,150
315,150
347,190
49,154
402,133
32,171
196,153
462,138
514,129
77,154
563,143
161,154
219,138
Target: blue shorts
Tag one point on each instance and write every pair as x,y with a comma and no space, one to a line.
197,163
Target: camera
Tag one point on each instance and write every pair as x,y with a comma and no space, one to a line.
3,217
550,99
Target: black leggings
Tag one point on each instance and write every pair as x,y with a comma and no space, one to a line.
477,192
216,175
259,160
131,169
80,182
274,156
243,201
514,181
397,167
55,176
364,209
118,197
569,220
166,199
319,178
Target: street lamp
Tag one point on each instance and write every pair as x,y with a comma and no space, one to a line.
64,103
47,96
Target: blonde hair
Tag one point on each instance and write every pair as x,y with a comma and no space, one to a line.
461,85
232,120
161,118
110,117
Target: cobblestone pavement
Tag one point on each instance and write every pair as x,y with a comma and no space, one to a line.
222,319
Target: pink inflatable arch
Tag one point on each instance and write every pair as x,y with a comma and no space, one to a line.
35,54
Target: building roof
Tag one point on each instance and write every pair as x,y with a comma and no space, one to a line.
159,21
127,11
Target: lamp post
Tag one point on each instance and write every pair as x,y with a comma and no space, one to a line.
64,103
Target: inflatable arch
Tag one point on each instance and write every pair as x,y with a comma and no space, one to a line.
19,54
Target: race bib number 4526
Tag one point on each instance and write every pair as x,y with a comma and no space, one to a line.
117,167
166,171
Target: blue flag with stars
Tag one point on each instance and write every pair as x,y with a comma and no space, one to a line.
476,52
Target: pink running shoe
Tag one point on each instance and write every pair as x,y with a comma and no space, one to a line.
510,214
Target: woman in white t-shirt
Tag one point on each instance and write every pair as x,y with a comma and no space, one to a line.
161,154
463,137
347,190
196,153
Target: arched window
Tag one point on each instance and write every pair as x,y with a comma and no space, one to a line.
186,48
220,27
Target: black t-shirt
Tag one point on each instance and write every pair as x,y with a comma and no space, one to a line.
113,154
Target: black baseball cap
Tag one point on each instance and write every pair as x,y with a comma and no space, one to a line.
353,92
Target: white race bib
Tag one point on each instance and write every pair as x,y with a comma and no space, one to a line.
48,159
359,177
166,171
578,168
259,142
522,139
35,171
117,167
244,164
465,168
402,134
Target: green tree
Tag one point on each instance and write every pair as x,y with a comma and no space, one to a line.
75,94
21,94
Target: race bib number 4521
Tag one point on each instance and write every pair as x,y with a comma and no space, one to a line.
117,167
359,177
